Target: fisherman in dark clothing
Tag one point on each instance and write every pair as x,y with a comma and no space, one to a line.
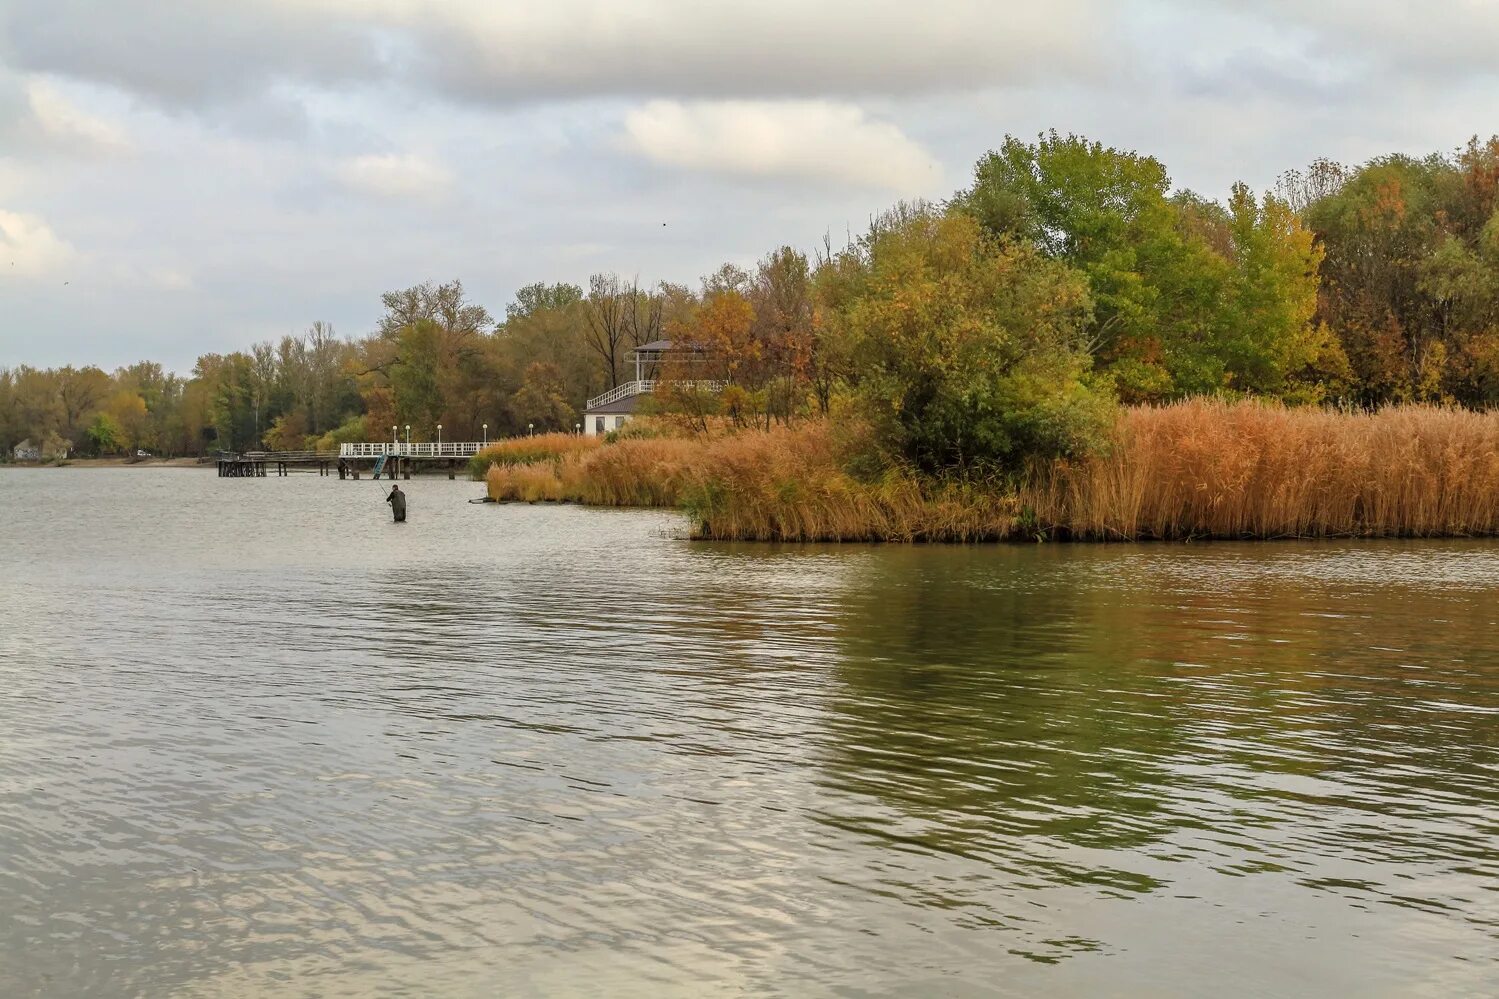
397,501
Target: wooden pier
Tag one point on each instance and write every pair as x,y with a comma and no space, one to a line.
389,460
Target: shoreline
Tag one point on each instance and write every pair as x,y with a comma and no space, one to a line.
110,463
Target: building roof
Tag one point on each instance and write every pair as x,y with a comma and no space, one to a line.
667,346
618,407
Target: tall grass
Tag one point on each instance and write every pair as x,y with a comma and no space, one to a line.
1198,469
789,484
529,450
1260,470
640,471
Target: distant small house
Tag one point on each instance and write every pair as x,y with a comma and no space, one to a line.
608,412
54,448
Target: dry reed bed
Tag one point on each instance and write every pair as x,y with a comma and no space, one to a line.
631,472
1197,469
1260,470
787,484
529,450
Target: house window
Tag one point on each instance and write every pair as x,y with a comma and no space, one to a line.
598,424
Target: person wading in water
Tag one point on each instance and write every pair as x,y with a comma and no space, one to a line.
397,501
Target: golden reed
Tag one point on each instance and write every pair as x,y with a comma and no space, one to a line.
1211,469
1196,469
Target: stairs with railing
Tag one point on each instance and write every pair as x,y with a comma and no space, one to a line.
625,390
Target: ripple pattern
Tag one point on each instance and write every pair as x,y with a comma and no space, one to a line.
259,741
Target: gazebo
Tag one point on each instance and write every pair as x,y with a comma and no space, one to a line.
612,410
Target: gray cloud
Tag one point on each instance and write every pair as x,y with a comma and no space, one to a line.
194,54
772,48
206,173
1431,39
186,53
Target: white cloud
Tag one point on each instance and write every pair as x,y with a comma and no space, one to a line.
818,140
392,175
29,247
63,122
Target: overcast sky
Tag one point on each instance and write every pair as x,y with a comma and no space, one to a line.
185,176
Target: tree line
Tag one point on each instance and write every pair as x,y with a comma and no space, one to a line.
1002,323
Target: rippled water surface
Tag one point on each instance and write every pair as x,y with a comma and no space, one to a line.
257,740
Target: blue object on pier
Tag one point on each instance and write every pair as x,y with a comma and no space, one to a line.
379,466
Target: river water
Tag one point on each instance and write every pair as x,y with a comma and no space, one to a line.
255,739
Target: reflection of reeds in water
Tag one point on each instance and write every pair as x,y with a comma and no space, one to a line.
1194,469
1258,470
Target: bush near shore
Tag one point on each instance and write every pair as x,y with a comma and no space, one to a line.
1195,469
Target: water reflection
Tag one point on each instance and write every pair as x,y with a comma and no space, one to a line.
1123,721
543,750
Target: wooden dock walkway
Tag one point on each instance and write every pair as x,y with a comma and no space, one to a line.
387,458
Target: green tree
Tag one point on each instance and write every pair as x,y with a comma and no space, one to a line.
1190,297
104,434
1106,213
968,351
542,297
1270,335
415,377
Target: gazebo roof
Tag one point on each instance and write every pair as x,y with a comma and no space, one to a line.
668,346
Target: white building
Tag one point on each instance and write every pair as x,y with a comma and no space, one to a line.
616,407
54,448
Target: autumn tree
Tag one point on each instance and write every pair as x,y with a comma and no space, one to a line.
547,325
620,317
80,391
542,400
127,411
1409,282
609,302
781,293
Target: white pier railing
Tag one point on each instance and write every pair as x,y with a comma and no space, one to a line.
447,449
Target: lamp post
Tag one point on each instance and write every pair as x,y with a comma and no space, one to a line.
578,429
393,440
408,438
439,438
531,429
486,435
